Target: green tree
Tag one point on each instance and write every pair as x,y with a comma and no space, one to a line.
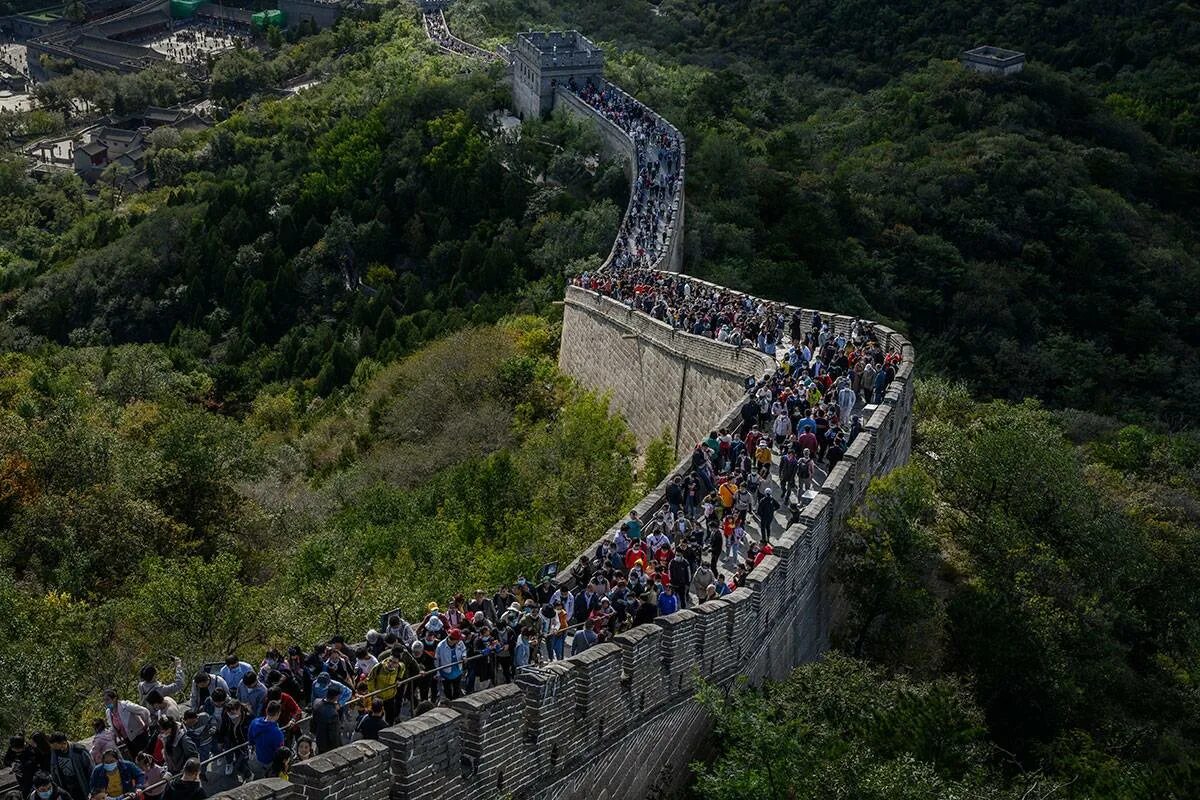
237,75
196,609
839,728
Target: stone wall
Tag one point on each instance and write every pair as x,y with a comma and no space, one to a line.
661,380
617,144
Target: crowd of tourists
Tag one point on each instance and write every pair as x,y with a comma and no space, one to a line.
645,231
439,33
199,41
716,521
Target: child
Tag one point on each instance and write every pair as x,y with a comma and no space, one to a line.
280,764
306,748
360,702
155,774
739,538
727,528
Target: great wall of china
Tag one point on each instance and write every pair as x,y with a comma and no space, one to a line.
620,720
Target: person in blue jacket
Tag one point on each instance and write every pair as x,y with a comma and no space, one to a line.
322,685
668,603
266,737
115,777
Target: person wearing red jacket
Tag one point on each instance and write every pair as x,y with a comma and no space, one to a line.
635,553
289,709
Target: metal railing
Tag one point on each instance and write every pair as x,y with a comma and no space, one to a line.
396,687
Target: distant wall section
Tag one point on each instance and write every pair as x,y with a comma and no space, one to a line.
617,145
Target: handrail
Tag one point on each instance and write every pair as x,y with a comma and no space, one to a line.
396,687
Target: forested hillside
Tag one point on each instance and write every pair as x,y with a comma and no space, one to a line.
1021,622
234,408
1035,236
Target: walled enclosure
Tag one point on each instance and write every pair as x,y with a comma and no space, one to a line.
619,720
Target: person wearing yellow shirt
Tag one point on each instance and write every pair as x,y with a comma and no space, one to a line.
114,777
762,457
383,678
726,492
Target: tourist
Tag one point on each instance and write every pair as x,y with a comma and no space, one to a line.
266,737
116,777
177,747
232,674
129,721
369,725
327,718
187,785
203,685
450,658
155,775
201,730
149,681
382,682
44,788
70,766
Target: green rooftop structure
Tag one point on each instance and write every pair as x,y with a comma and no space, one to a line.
185,9
263,19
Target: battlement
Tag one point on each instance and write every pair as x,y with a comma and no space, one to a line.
558,49
542,61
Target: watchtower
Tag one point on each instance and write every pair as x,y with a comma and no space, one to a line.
993,60
543,61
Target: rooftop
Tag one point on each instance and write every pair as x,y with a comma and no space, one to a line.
559,48
997,55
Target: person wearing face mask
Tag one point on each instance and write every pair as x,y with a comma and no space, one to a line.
231,735
201,729
272,662
70,766
115,777
177,747
130,721
44,789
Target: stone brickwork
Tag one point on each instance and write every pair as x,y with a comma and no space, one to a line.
544,61
361,770
661,380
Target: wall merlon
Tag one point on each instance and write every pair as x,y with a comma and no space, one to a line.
678,649
267,789
360,769
642,672
712,643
